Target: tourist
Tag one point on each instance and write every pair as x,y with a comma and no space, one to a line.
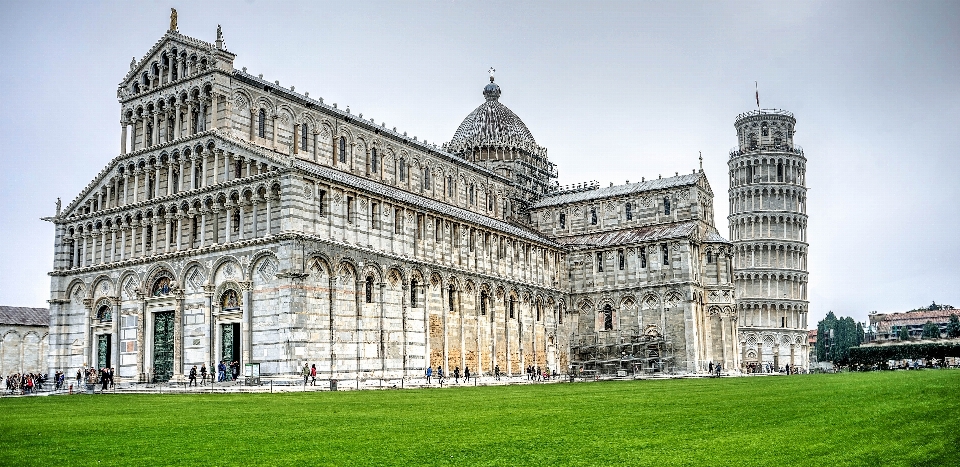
235,366
429,373
466,375
221,372
193,376
456,375
440,374
496,372
306,372
313,375
203,374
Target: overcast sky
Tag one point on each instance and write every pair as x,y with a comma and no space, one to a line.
615,91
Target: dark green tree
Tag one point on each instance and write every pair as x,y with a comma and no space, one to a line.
835,337
931,330
953,328
904,334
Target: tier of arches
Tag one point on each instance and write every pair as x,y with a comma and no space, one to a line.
754,199
242,213
788,255
175,114
752,169
768,226
166,67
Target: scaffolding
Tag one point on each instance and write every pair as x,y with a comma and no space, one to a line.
615,354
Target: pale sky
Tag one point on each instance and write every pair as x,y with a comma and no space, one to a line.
615,90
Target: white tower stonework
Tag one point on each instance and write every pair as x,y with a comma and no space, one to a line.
768,225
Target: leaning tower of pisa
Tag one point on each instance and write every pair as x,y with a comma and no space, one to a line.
768,226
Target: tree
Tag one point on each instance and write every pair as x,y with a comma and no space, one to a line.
931,330
904,334
953,328
835,337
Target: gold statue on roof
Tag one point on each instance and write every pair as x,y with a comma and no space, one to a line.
173,19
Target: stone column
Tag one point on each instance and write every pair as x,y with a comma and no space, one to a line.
240,207
169,178
203,226
269,206
253,124
203,169
202,116
229,221
246,322
255,203
143,238
136,184
103,245
123,241
113,244
176,121
156,182
155,139
153,237
216,164
123,136
274,136
189,116
179,232
227,158
296,138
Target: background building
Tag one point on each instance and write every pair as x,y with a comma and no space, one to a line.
23,339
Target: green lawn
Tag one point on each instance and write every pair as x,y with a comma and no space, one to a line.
888,418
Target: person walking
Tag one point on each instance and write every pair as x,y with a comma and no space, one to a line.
466,375
203,374
193,376
456,375
306,373
221,371
496,372
429,373
440,374
313,375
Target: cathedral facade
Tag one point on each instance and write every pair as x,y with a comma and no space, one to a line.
243,221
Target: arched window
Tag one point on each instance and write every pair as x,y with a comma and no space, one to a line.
303,136
413,293
666,205
451,295
753,141
368,289
559,313
426,178
666,253
620,259
343,149
472,199
763,129
563,220
483,303
643,257
538,311
262,124
593,216
607,318
229,300
629,209
161,286
709,257
512,301
104,315
403,170
374,163
450,186
599,262
780,172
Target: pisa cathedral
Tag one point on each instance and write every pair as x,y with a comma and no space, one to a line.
243,221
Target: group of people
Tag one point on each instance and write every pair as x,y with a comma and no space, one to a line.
534,373
440,378
228,372
25,383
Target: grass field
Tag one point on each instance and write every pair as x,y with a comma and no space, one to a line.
889,418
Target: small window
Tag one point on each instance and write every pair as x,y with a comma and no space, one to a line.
374,215
262,124
780,172
629,209
666,253
343,149
368,289
303,137
472,198
643,257
238,169
321,199
593,216
783,321
426,178
413,293
763,129
620,259
451,294
607,318
403,170
709,257
350,209
538,312
374,163
599,262
483,303
563,220
103,314
449,186
397,218
666,206
512,301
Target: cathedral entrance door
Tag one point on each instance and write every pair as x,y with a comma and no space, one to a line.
163,346
103,350
230,343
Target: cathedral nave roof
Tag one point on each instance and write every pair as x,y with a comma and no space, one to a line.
618,190
649,233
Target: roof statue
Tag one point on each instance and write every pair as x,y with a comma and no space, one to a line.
173,19
491,71
133,63
219,37
58,206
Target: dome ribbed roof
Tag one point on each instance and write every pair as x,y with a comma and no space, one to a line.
493,124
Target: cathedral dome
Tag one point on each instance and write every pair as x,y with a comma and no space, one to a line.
492,124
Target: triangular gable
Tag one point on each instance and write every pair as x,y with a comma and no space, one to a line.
170,41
